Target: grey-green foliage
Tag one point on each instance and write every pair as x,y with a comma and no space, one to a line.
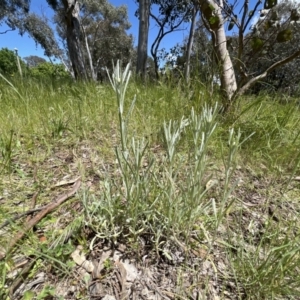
285,78
34,60
159,198
236,77
119,81
39,29
172,133
105,26
101,34
13,11
203,65
273,37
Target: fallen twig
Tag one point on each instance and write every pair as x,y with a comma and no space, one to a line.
47,209
33,204
19,216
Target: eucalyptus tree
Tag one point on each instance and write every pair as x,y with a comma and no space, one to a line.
203,64
16,15
286,77
104,28
34,60
190,42
42,33
93,34
143,14
68,13
12,12
201,57
172,14
217,14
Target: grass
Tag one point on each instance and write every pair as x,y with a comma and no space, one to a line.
211,198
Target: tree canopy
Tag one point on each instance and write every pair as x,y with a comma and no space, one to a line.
227,45
12,12
34,61
92,33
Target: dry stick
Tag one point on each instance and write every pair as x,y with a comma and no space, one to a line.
49,208
34,198
19,216
33,204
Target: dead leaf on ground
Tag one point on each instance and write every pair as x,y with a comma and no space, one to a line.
65,182
80,260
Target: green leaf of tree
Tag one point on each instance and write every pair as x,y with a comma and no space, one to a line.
257,43
270,3
231,25
295,15
284,36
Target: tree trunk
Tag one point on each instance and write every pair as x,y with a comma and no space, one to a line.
142,55
92,70
212,14
73,38
187,69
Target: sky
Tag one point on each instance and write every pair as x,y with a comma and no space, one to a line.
26,46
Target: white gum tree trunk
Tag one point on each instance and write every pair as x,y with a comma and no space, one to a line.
211,11
187,69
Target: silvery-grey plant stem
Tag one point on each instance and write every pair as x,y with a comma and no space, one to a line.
119,81
18,62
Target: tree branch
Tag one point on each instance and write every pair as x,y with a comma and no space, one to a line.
252,15
241,29
282,62
7,31
162,33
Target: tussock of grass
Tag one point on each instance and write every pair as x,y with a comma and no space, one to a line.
163,174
